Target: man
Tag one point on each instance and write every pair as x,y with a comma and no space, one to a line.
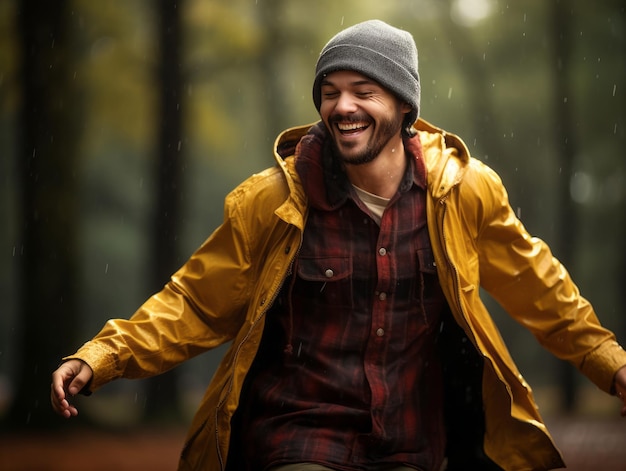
347,278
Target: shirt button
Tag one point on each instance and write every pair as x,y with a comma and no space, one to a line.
382,251
382,296
329,273
380,332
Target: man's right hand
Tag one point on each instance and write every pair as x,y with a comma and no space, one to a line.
68,380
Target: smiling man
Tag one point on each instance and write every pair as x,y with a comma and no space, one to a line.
364,121
347,278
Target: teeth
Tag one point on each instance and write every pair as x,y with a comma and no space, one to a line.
351,126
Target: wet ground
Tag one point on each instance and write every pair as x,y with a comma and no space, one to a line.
587,444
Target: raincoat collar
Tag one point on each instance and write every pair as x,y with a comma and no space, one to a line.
324,179
444,154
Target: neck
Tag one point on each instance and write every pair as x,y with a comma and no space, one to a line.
381,176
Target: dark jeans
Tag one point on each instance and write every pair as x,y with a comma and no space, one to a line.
464,416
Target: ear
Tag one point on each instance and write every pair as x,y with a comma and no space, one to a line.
406,107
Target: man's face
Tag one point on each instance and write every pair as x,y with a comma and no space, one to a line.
361,115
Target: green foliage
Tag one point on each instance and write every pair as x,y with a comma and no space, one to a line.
116,62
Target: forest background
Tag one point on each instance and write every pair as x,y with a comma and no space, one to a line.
123,124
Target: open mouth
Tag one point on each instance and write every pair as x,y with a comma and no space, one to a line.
352,127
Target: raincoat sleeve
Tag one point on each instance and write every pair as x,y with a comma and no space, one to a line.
201,307
521,273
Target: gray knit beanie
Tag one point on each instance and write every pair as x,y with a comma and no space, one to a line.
381,52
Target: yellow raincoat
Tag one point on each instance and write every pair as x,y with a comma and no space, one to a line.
223,291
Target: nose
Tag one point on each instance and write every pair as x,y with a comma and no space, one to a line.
346,104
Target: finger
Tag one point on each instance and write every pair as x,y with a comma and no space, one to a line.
75,386
63,407
59,403
60,406
70,411
80,380
57,393
58,397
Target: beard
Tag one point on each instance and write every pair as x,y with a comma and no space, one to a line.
386,129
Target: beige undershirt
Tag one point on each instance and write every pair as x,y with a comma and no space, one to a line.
374,203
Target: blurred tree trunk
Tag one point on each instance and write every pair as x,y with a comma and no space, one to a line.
622,137
271,65
47,162
621,141
566,146
480,95
162,392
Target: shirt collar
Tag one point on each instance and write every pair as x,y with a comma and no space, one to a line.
324,179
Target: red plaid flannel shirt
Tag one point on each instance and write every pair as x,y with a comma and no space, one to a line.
360,385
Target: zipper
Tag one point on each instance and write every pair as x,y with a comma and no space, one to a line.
453,268
266,305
